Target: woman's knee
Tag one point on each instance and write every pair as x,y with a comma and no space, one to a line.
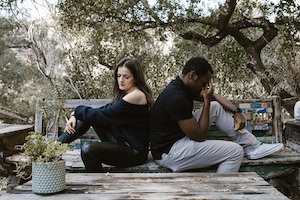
82,126
90,158
87,149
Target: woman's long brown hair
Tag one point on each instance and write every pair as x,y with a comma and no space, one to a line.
135,68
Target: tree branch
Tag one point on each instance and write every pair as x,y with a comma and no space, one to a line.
211,41
270,31
226,14
150,11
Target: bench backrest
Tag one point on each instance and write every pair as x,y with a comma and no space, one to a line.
261,114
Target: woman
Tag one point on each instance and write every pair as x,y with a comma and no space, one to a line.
122,125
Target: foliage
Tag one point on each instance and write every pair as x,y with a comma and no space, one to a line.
3,183
18,79
6,4
31,63
54,109
231,77
252,45
242,38
40,148
94,56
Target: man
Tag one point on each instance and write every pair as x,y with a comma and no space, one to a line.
179,138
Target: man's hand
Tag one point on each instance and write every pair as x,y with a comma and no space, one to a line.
239,121
70,125
207,92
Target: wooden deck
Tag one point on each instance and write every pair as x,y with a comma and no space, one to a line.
246,185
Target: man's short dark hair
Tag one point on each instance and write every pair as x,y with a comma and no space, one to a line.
199,65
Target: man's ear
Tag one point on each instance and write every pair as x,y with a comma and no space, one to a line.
193,75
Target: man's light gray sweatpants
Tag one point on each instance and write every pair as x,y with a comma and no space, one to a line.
189,154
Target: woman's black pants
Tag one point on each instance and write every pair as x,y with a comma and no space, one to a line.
108,151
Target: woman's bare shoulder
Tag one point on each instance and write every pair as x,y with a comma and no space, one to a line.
136,97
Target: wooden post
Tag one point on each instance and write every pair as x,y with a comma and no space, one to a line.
38,125
277,125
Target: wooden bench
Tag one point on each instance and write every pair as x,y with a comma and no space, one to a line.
264,115
267,122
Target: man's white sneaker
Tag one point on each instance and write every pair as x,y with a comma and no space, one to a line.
265,150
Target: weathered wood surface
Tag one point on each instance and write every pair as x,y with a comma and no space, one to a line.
11,135
277,122
10,129
156,186
292,134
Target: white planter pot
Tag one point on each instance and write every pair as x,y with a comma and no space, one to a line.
48,177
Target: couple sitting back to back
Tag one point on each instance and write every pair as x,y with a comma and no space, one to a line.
178,138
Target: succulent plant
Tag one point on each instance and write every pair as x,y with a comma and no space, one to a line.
41,149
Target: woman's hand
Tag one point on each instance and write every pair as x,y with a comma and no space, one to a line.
70,125
239,121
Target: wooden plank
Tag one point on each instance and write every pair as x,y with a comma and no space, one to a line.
73,103
157,186
10,129
38,121
293,123
292,134
277,122
11,135
292,130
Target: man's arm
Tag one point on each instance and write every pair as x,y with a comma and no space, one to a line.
239,119
196,130
226,104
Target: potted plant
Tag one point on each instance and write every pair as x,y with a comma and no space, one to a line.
48,167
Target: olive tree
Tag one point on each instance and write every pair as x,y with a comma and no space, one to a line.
260,39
